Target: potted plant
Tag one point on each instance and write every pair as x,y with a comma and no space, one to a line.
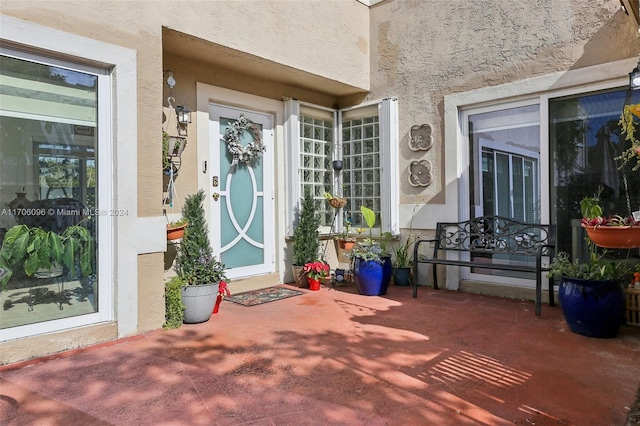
39,249
306,239
196,265
402,261
173,306
344,241
171,147
371,260
175,229
403,256
316,273
592,294
608,232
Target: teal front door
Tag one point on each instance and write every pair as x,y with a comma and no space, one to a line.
241,200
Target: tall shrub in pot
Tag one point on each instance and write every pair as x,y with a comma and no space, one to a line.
306,239
196,265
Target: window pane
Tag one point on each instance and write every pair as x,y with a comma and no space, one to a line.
585,140
315,161
361,175
48,180
501,142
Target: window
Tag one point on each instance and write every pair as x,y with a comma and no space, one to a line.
585,141
49,126
506,145
316,147
362,138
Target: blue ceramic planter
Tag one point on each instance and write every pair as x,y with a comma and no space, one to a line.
592,308
401,276
372,278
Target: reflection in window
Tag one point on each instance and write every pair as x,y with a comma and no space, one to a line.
584,137
48,191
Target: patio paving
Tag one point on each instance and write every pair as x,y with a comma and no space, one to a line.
335,357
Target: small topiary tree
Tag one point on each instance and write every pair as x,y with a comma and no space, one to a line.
306,240
195,262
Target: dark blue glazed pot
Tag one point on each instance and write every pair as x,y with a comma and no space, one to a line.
592,308
372,278
401,276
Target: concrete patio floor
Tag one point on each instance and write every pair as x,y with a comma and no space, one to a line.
335,357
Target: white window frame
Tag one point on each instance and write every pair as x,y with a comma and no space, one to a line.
389,145
121,237
540,89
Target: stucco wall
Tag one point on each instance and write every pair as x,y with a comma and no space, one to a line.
424,50
300,42
319,37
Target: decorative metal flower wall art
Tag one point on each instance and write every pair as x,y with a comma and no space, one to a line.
421,137
420,173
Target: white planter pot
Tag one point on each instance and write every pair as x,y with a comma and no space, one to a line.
199,301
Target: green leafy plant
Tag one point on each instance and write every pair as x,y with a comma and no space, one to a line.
306,239
41,249
592,214
177,223
346,231
166,160
403,254
597,268
370,249
195,262
174,308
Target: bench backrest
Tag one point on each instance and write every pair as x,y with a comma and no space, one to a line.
495,235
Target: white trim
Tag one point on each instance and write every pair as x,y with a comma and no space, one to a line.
389,152
292,164
118,252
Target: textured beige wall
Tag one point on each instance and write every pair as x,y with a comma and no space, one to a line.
327,38
422,50
310,49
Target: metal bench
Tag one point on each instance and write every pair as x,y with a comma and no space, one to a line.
490,237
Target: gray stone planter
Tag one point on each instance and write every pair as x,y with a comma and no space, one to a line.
199,301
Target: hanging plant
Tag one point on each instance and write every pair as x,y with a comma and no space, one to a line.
628,122
243,153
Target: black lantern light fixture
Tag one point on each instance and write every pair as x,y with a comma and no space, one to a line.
184,114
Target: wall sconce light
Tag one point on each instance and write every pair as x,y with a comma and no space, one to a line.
184,114
634,78
184,118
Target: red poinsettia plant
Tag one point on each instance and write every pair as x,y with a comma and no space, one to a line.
317,270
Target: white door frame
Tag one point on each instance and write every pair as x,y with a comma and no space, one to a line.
206,95
266,120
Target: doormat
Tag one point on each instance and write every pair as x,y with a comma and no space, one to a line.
265,295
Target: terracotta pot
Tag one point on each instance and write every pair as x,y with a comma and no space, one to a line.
614,236
346,245
175,233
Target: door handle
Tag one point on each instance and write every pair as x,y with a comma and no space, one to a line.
216,196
